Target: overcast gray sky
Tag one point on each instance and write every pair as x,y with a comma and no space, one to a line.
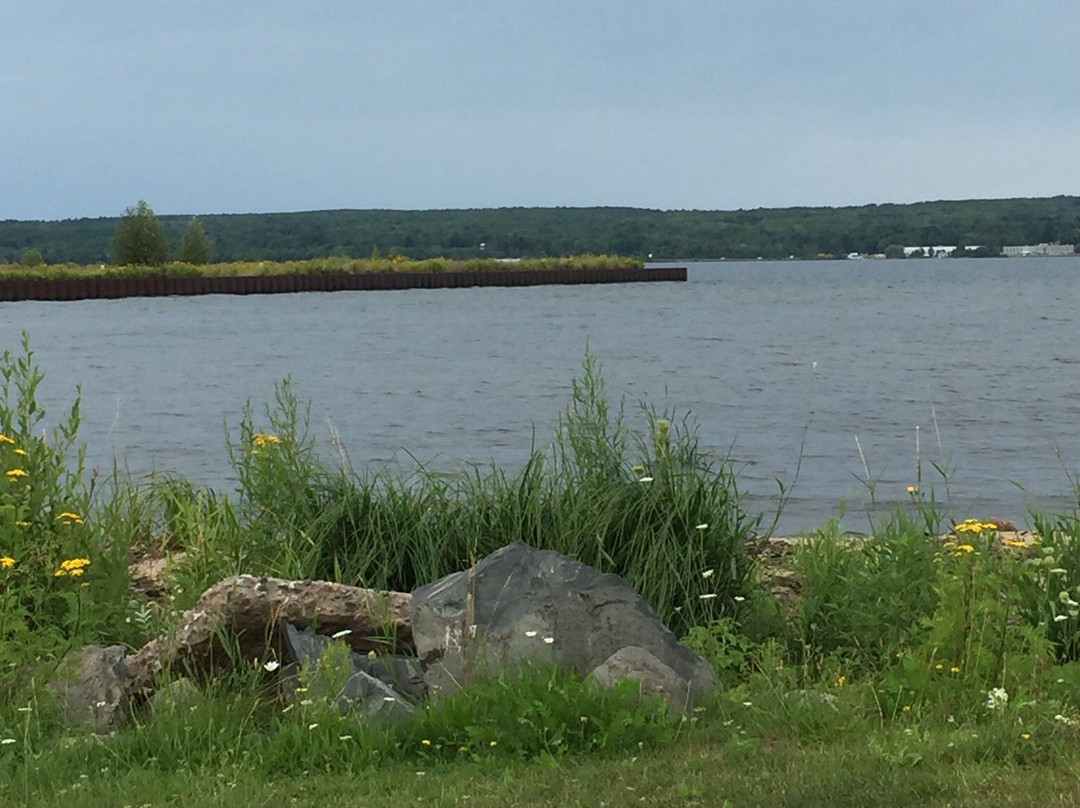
206,106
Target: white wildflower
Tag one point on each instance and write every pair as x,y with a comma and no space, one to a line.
345,632
272,665
997,698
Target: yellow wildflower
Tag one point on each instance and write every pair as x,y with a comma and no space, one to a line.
7,562
73,567
5,439
261,441
913,489
68,516
22,524
974,526
426,742
15,474
21,452
954,669
965,548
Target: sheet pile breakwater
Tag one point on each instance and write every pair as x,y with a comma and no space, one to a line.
161,285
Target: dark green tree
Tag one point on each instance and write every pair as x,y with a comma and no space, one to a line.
30,257
139,238
195,248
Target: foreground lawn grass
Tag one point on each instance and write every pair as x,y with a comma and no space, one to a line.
697,770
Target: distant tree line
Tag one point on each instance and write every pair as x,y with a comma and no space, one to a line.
536,232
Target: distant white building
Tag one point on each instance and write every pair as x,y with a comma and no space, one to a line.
940,251
1025,250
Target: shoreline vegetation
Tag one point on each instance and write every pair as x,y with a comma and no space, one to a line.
313,266
935,662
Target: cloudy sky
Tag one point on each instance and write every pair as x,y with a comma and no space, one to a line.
206,106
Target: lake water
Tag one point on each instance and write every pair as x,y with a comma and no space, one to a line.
792,368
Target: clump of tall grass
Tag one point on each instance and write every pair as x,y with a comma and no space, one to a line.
863,598
652,507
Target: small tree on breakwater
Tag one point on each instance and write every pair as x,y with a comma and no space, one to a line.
140,238
195,248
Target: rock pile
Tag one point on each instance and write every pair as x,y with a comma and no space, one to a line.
517,605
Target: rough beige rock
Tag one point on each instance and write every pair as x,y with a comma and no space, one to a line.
654,678
247,610
147,574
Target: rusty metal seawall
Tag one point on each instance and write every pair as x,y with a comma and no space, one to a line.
156,286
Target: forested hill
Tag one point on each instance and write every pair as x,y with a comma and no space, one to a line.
514,232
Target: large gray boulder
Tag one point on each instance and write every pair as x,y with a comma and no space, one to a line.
521,604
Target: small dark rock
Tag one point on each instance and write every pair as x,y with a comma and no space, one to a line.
92,684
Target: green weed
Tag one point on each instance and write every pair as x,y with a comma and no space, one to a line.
58,575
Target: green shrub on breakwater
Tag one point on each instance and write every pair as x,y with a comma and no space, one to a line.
316,266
